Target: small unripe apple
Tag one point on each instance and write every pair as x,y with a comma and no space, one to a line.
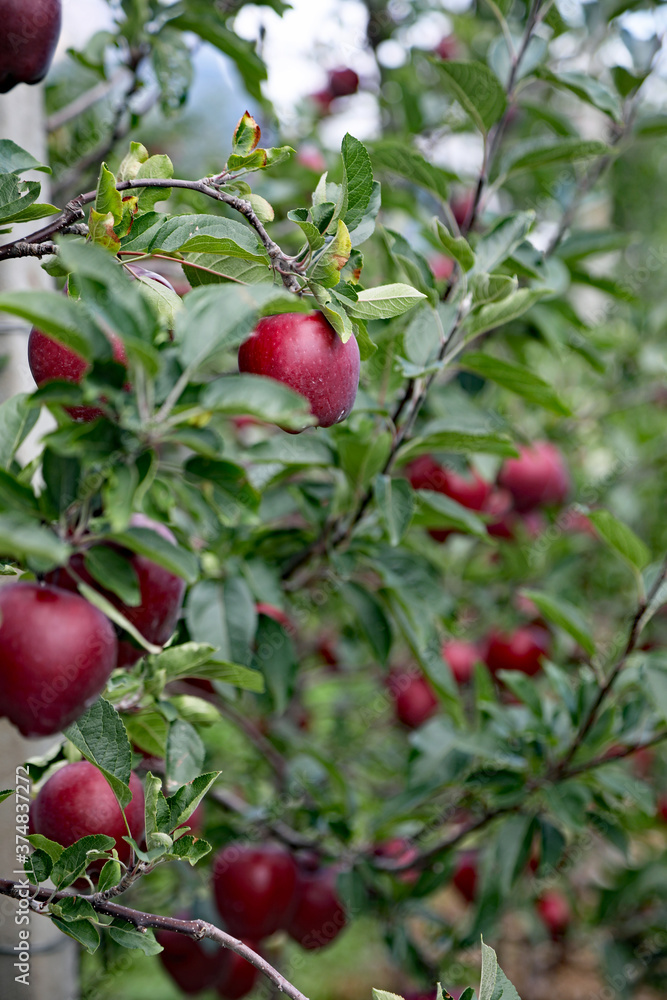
253,888
465,875
317,915
77,801
538,477
57,653
50,360
303,351
30,32
161,593
343,82
522,650
414,698
238,975
555,912
461,656
190,963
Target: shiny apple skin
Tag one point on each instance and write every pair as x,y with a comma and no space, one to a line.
77,801
304,352
57,652
465,875
538,477
28,40
318,915
253,888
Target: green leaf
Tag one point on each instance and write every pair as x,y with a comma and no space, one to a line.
218,318
385,995
587,88
162,551
17,419
185,753
476,88
209,25
456,246
14,160
620,537
114,572
108,199
185,799
158,167
332,261
62,318
315,239
21,538
246,135
358,174
449,434
102,739
101,231
505,311
74,860
259,397
385,301
189,848
5,793
436,510
82,931
38,866
96,598
372,618
492,288
110,876
566,615
73,908
502,240
547,153
128,936
395,501
132,161
396,157
45,845
276,660
494,983
515,378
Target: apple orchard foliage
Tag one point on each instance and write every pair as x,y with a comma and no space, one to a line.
412,633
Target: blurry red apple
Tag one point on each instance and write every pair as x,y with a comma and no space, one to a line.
309,156
465,875
448,47
343,82
57,652
442,267
539,477
317,915
238,975
303,351
30,32
462,206
191,965
271,611
400,850
77,801
414,698
521,650
555,912
323,99
461,656
253,888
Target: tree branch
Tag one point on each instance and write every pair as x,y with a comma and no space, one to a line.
196,929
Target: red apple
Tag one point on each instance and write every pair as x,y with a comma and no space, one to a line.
400,850
555,912
303,351
461,657
30,32
161,593
448,47
462,206
414,698
253,888
465,875
309,156
238,976
343,82
77,801
470,491
662,807
191,965
539,477
521,650
323,99
57,652
271,611
50,360
317,915
442,267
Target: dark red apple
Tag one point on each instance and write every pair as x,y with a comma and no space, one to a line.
161,593
343,82
323,99
414,698
50,360
462,206
555,912
30,32
318,915
522,650
662,807
470,491
465,875
253,888
56,654
303,351
461,656
401,851
77,801
238,976
538,477
191,965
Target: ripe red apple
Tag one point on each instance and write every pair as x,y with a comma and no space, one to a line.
414,698
77,801
343,82
462,206
161,593
191,965
238,975
539,477
271,611
465,875
401,851
521,650
470,491
56,654
442,267
253,888
555,912
317,916
30,32
662,807
50,360
303,351
461,657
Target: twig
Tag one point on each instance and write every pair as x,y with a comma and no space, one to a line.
21,248
196,929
